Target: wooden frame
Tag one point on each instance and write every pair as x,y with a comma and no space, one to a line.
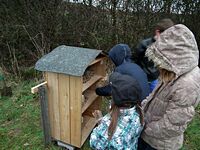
71,121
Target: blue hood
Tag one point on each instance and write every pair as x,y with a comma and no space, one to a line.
120,53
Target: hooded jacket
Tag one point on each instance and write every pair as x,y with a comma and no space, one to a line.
120,54
171,106
140,59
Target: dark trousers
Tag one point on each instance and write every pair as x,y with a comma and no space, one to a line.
142,145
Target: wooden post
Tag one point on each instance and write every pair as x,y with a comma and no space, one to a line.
45,117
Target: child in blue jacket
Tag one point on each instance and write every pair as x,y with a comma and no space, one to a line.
121,55
121,127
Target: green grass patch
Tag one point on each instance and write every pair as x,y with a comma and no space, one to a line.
20,122
192,134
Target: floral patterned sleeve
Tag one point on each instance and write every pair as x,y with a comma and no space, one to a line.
99,135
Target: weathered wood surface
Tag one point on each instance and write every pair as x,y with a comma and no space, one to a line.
44,113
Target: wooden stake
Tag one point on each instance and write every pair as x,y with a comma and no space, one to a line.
45,116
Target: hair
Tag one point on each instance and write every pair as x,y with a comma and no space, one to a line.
165,75
164,24
115,113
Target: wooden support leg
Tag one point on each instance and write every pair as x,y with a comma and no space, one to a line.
45,117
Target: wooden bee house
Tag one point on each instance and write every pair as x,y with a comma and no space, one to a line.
71,74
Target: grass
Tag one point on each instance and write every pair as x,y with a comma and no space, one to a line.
20,125
192,134
20,122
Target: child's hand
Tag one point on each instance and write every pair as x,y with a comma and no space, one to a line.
97,115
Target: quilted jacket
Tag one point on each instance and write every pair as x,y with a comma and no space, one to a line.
171,106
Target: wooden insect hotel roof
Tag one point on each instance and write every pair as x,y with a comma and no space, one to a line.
68,60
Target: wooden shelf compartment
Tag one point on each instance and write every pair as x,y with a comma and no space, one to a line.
87,126
91,98
93,79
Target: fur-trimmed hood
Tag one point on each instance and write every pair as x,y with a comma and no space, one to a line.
175,50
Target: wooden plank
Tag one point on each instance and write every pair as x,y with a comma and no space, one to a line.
44,113
64,107
100,68
53,97
96,105
87,127
75,109
95,61
93,79
35,88
89,121
92,96
50,103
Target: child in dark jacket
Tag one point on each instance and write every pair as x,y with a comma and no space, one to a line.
120,55
139,55
121,128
